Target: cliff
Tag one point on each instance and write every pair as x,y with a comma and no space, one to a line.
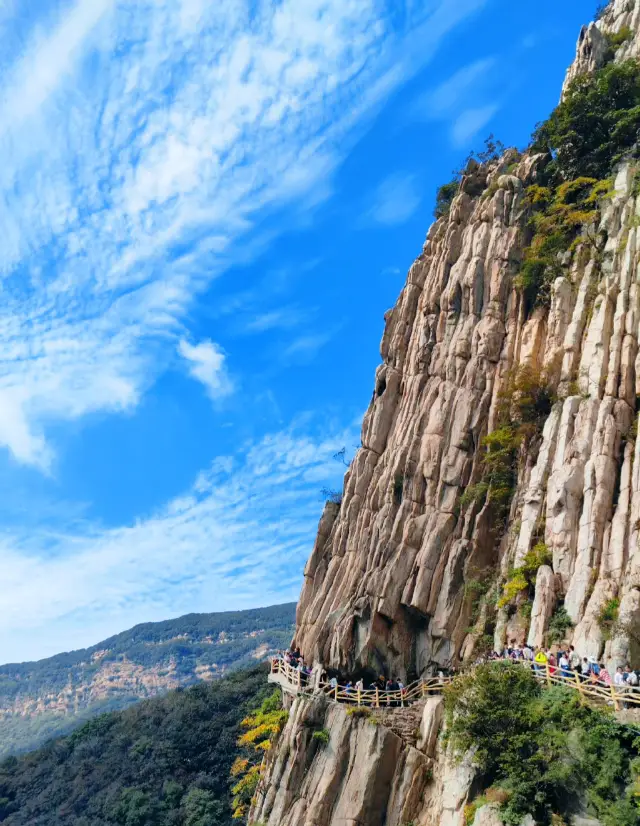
496,496
384,586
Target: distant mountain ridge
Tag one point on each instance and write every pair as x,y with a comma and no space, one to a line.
46,698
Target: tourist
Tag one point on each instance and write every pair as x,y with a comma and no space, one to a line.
619,677
603,675
565,666
527,653
540,661
585,668
551,661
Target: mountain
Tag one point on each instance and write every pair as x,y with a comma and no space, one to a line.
496,496
39,700
162,762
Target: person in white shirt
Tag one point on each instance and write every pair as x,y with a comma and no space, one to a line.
618,677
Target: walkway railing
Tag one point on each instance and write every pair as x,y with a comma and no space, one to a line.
589,690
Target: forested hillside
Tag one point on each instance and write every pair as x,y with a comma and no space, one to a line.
162,762
43,699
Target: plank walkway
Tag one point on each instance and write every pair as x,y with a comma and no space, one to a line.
294,682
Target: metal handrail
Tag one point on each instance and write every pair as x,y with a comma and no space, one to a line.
589,690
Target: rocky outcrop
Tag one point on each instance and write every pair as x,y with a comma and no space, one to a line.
385,585
365,774
393,581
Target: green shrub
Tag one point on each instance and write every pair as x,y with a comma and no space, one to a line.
539,555
322,736
358,711
616,39
596,124
608,617
444,198
559,624
558,215
524,576
542,747
474,493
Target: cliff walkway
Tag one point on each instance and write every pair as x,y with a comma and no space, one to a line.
293,682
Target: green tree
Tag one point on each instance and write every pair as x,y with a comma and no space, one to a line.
201,808
597,122
545,752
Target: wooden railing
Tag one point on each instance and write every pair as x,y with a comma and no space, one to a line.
591,691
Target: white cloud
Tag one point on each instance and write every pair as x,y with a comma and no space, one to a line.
456,101
395,200
305,347
48,63
282,319
237,538
207,365
448,95
141,142
470,122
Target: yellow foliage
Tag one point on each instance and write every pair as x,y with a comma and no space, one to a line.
240,765
262,726
539,194
512,588
248,782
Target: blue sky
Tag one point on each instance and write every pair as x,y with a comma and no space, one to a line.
206,209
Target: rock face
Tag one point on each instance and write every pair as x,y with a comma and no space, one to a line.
365,774
384,587
392,582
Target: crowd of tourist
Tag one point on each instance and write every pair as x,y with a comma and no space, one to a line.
295,659
566,663
569,665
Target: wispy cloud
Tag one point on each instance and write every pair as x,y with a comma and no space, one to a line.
395,200
283,318
206,364
470,122
455,101
304,348
140,143
449,95
237,538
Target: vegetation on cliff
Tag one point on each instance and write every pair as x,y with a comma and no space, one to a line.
53,696
162,762
262,726
541,751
